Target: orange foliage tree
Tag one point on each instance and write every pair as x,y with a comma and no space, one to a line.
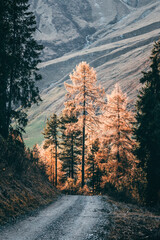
121,166
86,96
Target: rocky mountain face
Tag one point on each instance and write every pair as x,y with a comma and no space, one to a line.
114,36
64,26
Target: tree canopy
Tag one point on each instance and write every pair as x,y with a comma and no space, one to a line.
19,56
148,125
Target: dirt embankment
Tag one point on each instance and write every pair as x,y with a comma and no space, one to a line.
19,196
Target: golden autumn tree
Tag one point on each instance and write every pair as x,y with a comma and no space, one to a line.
121,164
47,156
86,96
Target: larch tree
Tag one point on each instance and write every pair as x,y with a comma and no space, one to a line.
51,135
121,163
47,159
86,96
148,126
19,56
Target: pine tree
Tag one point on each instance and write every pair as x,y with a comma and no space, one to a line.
94,173
148,125
4,26
51,135
71,143
86,96
121,163
19,56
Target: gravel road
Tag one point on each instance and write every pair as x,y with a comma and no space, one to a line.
70,217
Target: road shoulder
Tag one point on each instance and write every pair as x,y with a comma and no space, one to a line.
129,221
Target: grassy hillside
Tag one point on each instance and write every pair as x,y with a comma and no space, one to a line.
118,51
24,184
19,196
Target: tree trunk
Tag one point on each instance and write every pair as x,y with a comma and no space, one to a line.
3,110
72,155
12,72
93,177
84,123
52,167
56,164
118,128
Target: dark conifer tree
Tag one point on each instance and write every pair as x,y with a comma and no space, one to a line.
51,135
19,56
4,74
148,125
36,154
71,145
94,172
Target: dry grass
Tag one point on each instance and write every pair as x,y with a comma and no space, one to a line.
21,196
131,222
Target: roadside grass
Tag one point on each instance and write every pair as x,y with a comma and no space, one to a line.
132,222
20,196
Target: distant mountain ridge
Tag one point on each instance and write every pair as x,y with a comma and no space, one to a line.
64,26
114,36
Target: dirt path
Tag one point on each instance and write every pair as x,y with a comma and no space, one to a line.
71,217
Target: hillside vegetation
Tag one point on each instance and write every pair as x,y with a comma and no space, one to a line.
20,196
118,48
24,185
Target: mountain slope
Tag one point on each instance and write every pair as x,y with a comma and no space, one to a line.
117,41
64,26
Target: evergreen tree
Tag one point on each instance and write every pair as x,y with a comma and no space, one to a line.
86,96
15,154
94,173
51,135
148,125
19,56
36,154
37,160
71,143
4,26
